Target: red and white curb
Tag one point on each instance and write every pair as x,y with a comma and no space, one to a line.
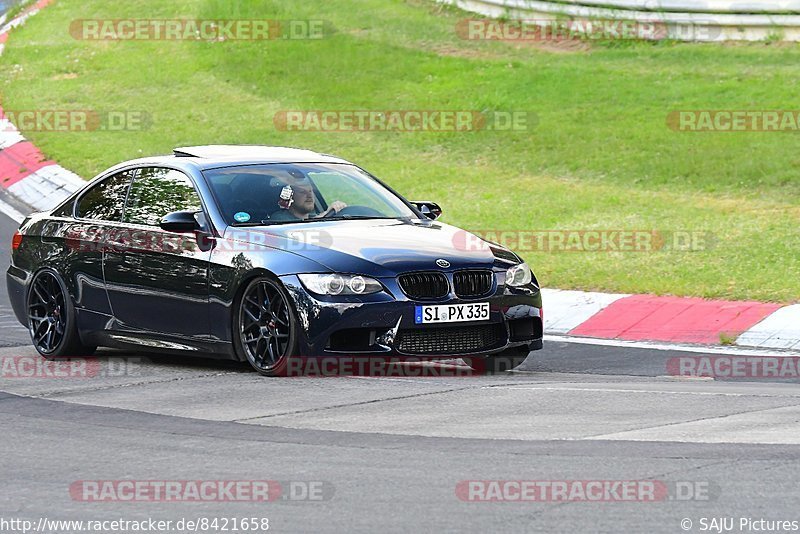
577,316
24,171
671,320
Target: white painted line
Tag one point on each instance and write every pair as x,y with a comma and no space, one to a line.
729,351
681,378
11,212
779,425
645,391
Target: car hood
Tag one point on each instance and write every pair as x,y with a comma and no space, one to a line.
374,247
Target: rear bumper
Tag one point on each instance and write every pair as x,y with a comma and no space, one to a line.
383,325
17,284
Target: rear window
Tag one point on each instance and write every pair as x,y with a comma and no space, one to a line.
106,200
157,191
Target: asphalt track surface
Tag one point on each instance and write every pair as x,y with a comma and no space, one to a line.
389,453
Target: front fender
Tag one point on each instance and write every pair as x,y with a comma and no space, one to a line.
233,263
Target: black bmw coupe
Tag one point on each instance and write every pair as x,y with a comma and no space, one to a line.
269,255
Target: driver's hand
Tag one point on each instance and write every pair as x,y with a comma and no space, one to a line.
335,207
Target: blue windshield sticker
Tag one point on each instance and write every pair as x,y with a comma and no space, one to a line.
242,217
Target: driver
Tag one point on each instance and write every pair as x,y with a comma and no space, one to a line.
297,200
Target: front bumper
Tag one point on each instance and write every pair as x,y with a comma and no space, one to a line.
383,325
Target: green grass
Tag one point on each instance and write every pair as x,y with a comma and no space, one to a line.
727,339
600,156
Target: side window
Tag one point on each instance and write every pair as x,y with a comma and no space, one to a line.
157,191
106,200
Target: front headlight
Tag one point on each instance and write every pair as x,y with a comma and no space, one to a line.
340,284
519,275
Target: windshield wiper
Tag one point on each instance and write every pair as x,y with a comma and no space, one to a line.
268,222
254,223
352,217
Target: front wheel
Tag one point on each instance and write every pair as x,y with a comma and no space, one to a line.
52,320
265,328
498,363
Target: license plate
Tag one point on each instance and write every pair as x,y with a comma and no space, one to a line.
451,313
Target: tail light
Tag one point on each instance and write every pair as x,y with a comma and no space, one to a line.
16,241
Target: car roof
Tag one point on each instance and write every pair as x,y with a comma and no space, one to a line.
213,156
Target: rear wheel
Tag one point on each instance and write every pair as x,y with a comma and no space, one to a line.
265,327
52,321
498,363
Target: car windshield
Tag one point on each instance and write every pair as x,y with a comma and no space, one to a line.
301,192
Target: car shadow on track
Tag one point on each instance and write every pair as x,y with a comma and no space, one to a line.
339,366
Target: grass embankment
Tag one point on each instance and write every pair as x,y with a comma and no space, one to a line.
600,156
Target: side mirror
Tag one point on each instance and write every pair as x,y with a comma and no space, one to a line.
429,209
180,222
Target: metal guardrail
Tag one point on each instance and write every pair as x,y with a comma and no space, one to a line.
696,6
5,5
685,20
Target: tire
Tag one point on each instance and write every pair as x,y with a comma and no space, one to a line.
52,321
498,363
265,326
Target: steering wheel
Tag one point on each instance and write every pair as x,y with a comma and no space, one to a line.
355,211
